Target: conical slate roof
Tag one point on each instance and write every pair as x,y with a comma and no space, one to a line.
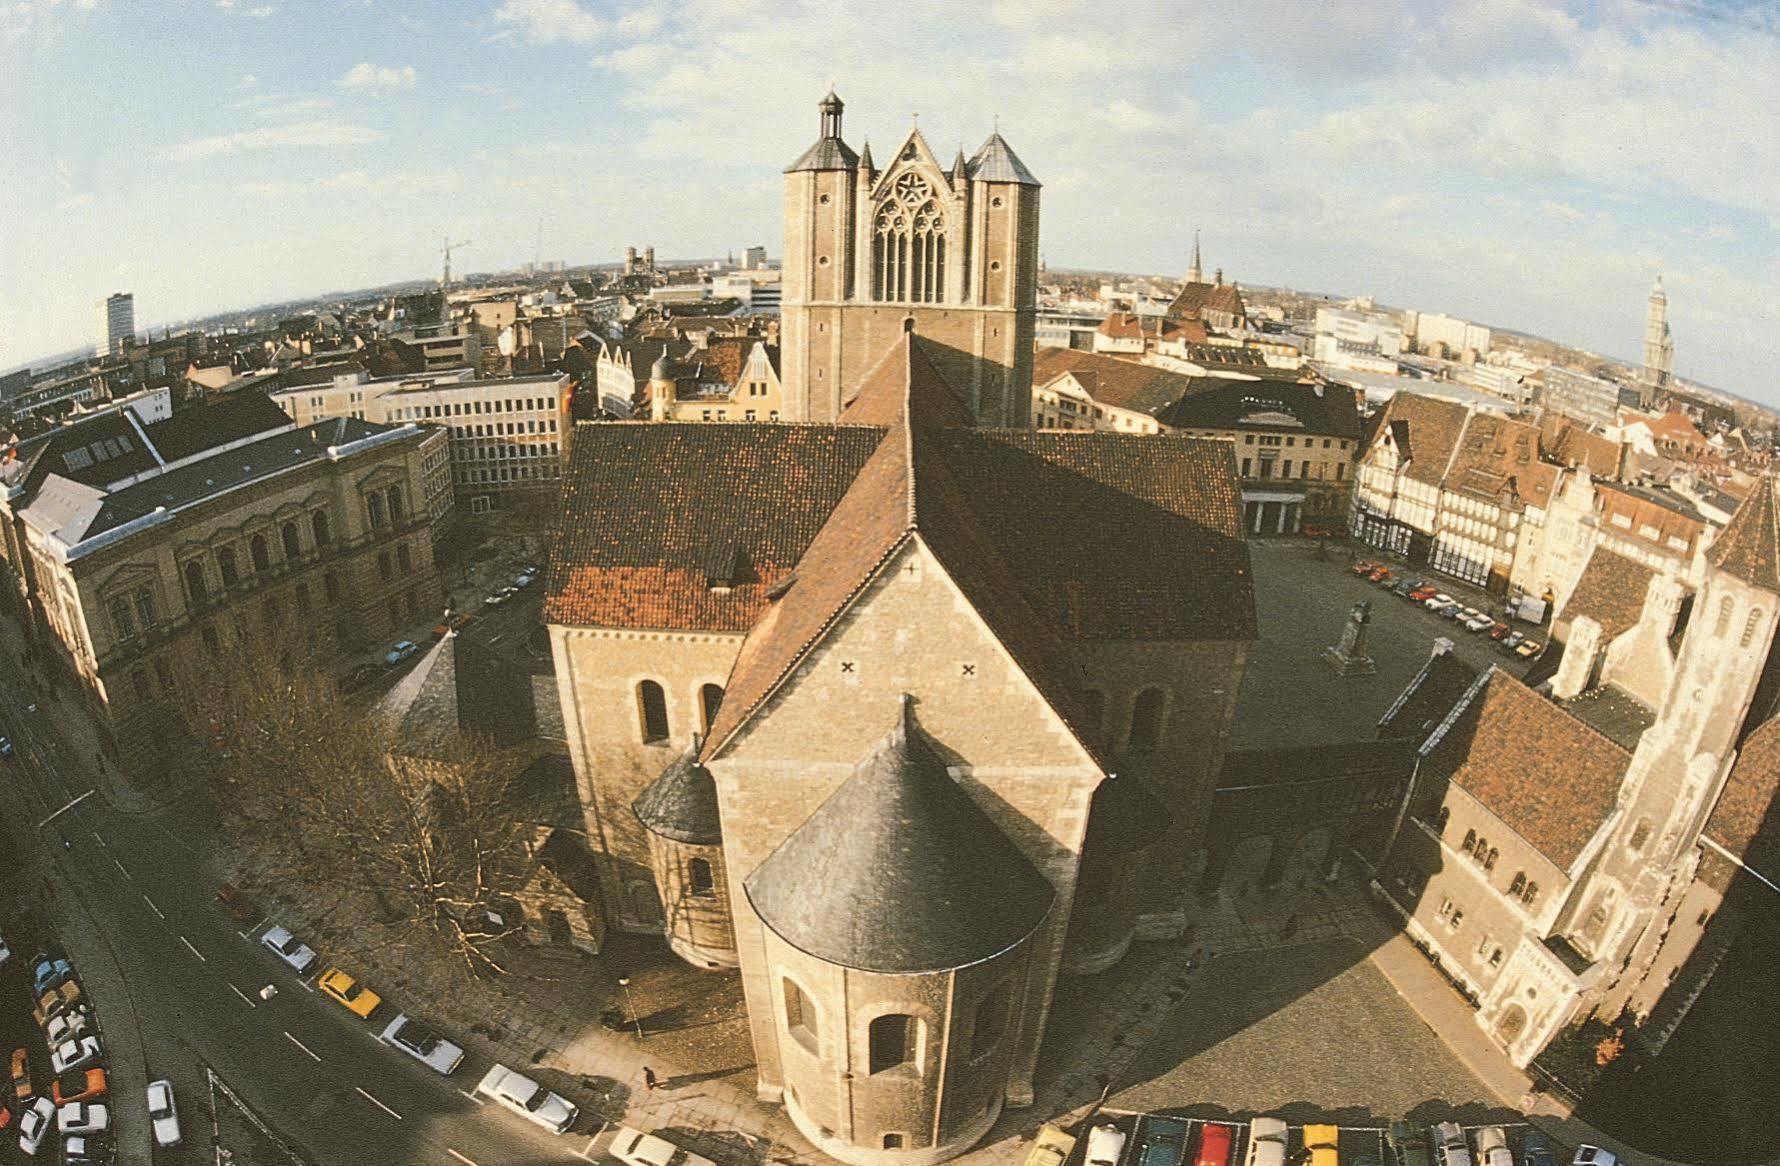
997,162
681,804
1749,548
900,870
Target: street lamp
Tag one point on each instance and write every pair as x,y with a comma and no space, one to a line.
631,1005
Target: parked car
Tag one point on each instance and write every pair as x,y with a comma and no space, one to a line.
1266,1142
1215,1141
1424,593
1587,1155
1051,1147
1449,1144
1449,610
69,1025
5,952
528,1099
86,1150
423,1044
288,948
500,597
1162,1141
1512,641
341,988
5,751
74,1054
79,1085
1381,575
1437,601
1479,622
47,973
58,999
240,907
22,1088
1364,567
399,651
1526,650
81,1117
1403,587
34,1124
163,1113
1323,1144
1106,1144
640,1149
452,623
1500,631
1409,1142
1492,1146
523,580
1463,614
1535,1149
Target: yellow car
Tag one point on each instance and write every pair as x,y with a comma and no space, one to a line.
1050,1148
357,999
1321,1141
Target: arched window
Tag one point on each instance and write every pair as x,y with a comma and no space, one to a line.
698,878
1724,618
404,558
145,607
262,554
909,245
225,563
652,711
895,1041
801,1020
195,588
710,699
395,504
318,524
1441,818
1489,862
374,502
293,546
1750,627
1532,892
1146,720
1470,845
1518,884
122,625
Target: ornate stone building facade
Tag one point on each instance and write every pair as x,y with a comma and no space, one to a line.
951,252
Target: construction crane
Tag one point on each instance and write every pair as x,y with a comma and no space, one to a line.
445,279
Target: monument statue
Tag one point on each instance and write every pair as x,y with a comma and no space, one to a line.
1349,657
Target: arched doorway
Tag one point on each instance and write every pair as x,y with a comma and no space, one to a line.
1511,1024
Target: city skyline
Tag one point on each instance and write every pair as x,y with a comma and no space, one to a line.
1401,152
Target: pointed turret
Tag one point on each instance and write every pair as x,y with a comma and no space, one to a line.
960,173
829,152
1194,273
865,163
997,162
1749,548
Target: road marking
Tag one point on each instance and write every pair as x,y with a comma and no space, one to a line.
120,867
374,1101
293,1040
304,984
193,950
461,1157
66,808
472,1097
243,996
151,905
97,838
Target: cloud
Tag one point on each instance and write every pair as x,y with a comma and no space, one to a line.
75,201
248,81
325,133
400,183
549,21
365,77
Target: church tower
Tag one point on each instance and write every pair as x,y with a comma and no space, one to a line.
1194,273
1659,346
948,252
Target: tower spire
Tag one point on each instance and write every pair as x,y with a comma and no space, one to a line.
1194,274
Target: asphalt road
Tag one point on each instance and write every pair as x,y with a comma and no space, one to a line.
157,947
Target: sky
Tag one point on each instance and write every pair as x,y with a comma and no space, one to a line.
1526,164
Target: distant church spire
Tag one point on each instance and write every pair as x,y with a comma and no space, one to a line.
1194,275
1659,345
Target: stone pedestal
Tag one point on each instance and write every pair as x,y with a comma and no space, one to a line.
1349,657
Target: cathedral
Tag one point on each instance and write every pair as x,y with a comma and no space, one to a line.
899,708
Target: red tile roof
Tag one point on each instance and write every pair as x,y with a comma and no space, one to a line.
1194,299
1610,591
1749,548
1433,428
1548,776
1123,384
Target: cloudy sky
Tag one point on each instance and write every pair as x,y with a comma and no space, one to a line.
1527,164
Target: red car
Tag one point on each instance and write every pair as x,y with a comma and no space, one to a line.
1500,632
1423,593
1316,532
1215,1141
1365,567
1380,575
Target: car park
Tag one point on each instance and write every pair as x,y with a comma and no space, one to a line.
1492,1146
399,651
1499,631
47,973
22,1089
1512,641
1423,593
1409,1143
1448,611
34,1124
1106,1144
79,1085
1364,567
1051,1147
1535,1149
1215,1143
1587,1155
341,988
1462,614
1403,587
527,1098
58,999
81,1117
1449,1144
1266,1142
163,1114
68,1025
1527,649
74,1054
1322,1142
85,1150
1162,1141
288,948
636,1148
1480,622
1437,601
423,1044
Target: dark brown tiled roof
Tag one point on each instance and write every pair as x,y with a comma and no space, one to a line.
646,503
1434,427
1746,820
1194,299
1610,591
1123,384
1548,776
1498,459
1749,548
1568,444
1646,510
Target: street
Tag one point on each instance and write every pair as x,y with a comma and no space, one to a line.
177,989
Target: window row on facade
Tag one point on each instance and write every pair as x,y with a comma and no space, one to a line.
652,712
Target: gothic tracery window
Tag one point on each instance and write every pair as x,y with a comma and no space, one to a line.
909,244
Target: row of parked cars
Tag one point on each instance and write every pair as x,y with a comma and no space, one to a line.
401,650
1430,596
1165,1141
76,1102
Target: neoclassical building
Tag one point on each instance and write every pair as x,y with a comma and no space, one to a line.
902,716
950,251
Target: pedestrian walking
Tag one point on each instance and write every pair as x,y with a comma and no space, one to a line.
650,1081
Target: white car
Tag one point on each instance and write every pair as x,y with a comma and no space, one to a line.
640,1149
1437,601
80,1117
34,1124
66,1026
163,1113
1478,622
423,1044
1492,1146
74,1054
1266,1142
1594,1156
528,1099
82,1148
288,948
1105,1143
1449,1144
523,580
5,952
